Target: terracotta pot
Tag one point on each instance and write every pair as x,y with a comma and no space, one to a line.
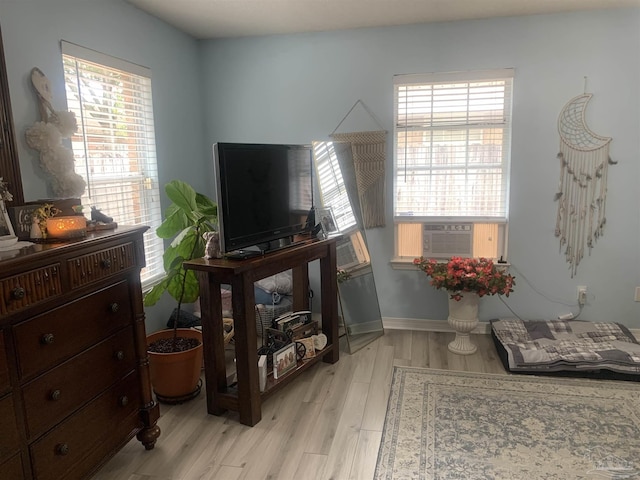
176,375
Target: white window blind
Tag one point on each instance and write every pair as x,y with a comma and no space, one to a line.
332,188
452,146
114,147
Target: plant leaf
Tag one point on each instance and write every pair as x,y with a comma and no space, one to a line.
175,221
182,194
153,295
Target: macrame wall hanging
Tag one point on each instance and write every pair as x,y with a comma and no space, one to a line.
368,150
582,189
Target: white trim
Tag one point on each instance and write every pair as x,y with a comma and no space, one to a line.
94,56
365,327
406,263
463,76
418,324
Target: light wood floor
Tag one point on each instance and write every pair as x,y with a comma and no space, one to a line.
327,424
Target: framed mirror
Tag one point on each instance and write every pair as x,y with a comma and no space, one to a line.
9,164
357,296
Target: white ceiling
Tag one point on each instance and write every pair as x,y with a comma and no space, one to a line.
207,19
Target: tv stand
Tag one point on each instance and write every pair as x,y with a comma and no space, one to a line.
242,254
245,397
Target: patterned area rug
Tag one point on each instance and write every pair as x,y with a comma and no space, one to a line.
454,425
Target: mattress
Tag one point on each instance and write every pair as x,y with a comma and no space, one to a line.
581,348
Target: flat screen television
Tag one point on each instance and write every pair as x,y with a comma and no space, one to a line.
264,194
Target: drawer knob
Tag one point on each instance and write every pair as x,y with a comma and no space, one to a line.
119,355
46,339
18,293
55,395
123,401
114,307
62,449
105,263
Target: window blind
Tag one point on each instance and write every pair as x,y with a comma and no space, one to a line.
452,145
332,188
114,147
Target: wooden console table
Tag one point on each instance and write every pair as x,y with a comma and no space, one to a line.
246,397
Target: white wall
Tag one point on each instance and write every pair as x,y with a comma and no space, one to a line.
297,88
32,30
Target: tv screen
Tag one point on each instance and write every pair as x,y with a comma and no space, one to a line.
264,193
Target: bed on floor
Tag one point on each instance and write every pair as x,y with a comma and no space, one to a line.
567,347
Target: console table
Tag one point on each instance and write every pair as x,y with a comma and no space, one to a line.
246,397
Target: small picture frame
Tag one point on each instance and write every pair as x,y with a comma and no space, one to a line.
310,351
7,235
327,220
284,360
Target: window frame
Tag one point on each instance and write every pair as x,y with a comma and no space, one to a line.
129,162
430,79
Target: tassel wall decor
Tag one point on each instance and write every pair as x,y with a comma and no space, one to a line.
582,189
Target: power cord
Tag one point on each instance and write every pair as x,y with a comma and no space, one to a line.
543,295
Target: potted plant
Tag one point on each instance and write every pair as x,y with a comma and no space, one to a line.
175,355
466,280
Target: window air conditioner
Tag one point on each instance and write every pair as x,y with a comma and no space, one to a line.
350,252
443,240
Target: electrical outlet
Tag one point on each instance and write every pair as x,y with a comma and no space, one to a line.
582,295
637,297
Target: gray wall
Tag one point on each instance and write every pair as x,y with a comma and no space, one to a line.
297,88
32,31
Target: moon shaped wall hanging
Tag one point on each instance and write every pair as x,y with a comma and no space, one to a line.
582,189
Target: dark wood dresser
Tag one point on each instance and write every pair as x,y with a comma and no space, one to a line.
74,373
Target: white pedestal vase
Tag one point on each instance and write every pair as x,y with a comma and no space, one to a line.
463,317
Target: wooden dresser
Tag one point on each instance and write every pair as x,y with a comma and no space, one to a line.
74,373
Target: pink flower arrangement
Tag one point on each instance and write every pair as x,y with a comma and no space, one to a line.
458,275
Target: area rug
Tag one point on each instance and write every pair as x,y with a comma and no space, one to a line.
449,425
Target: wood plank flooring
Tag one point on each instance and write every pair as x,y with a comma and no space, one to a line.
327,424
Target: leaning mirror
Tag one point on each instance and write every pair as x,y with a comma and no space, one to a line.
357,295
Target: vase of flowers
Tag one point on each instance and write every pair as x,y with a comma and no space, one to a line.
466,280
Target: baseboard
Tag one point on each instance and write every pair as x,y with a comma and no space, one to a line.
427,325
391,323
365,327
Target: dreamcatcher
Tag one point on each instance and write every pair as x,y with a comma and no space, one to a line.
582,189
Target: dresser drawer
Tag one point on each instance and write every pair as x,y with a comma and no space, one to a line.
4,369
48,339
96,266
51,397
78,444
29,288
9,440
12,468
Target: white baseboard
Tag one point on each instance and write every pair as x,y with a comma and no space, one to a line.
365,327
427,325
443,326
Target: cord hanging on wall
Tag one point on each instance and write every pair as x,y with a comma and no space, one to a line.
369,150
582,188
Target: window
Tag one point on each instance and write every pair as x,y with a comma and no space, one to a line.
452,135
114,147
333,191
